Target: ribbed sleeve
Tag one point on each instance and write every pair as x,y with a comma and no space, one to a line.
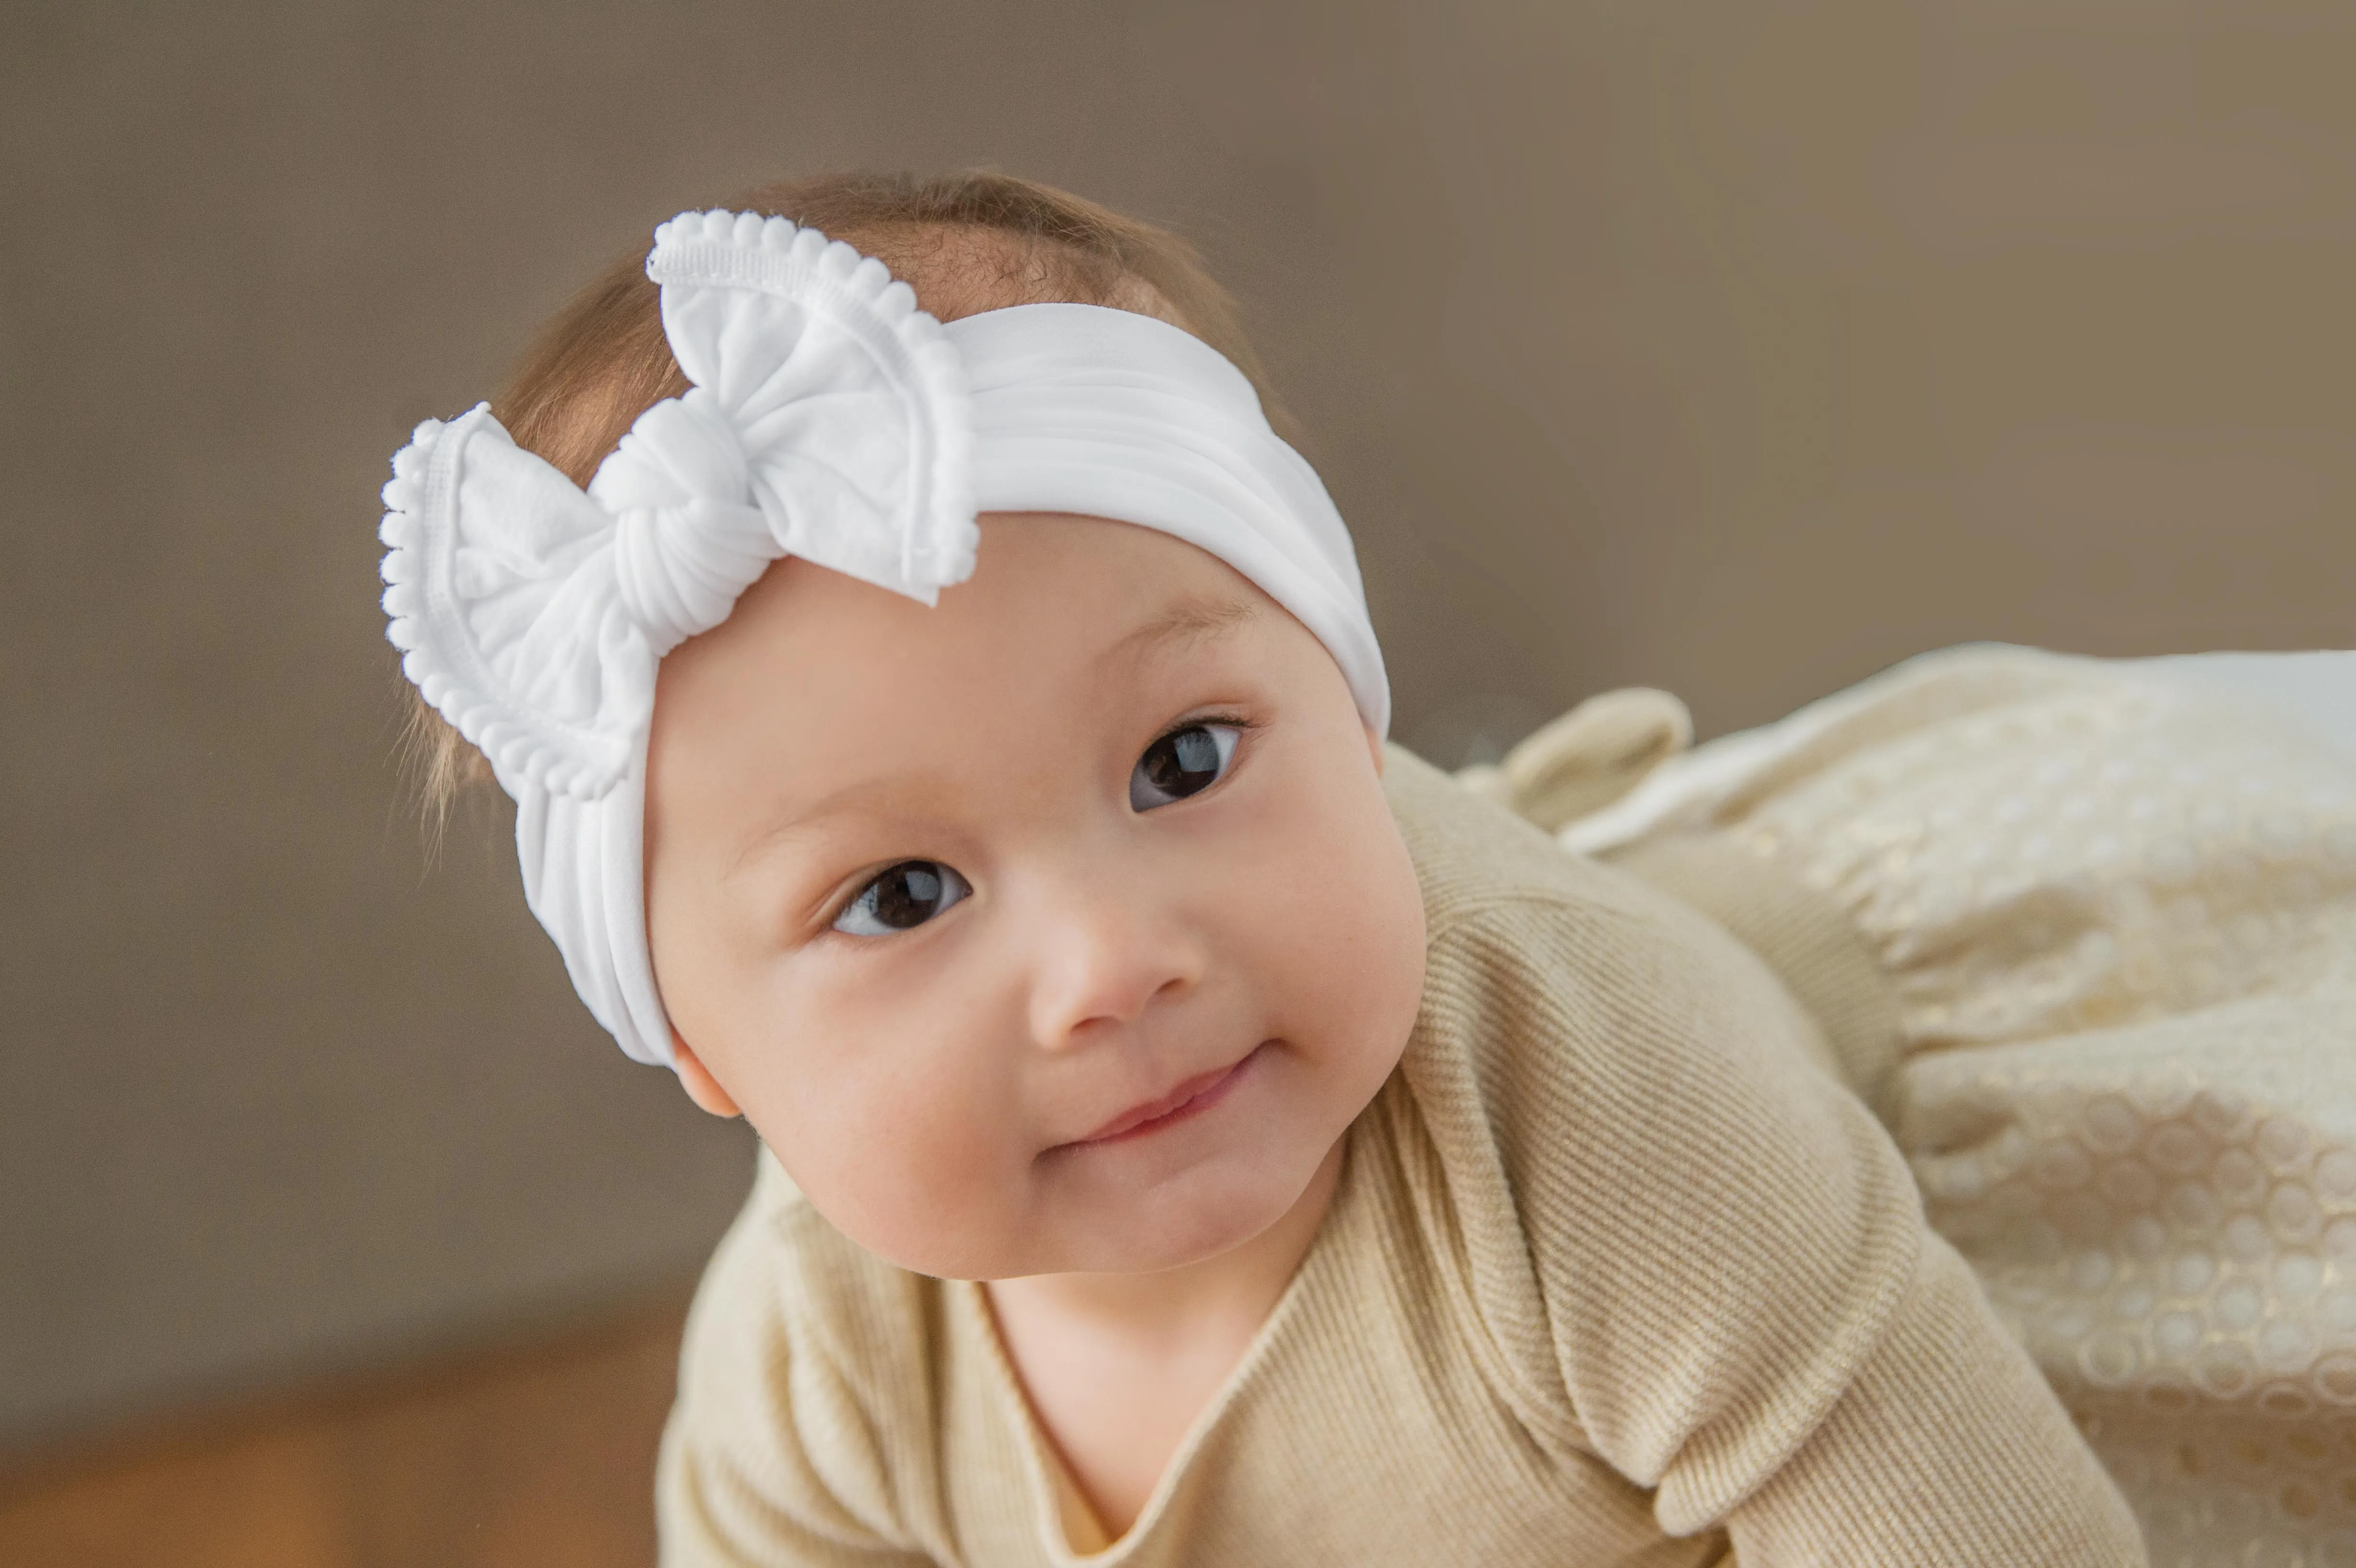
1948,1447
1730,1252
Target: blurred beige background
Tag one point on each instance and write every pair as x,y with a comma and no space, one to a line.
1735,347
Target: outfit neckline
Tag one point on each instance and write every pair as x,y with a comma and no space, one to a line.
1056,1501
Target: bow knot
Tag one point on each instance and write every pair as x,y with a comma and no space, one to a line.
687,538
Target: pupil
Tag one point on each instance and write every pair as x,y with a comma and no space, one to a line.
1182,763
907,895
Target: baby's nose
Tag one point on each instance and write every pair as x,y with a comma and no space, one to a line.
1102,967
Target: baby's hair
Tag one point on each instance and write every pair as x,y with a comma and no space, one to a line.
966,242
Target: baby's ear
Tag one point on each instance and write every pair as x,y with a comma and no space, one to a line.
697,1080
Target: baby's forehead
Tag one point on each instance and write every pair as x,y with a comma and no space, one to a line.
1194,618
1053,601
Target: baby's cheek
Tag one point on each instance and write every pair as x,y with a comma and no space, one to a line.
1333,914
906,1146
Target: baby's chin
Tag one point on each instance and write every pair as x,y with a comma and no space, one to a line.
1172,1229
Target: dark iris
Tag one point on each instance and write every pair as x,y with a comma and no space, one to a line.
910,893
1182,762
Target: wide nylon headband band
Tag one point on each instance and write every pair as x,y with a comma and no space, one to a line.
831,420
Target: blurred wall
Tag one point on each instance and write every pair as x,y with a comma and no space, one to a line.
1735,347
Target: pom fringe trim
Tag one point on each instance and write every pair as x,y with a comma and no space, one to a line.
426,622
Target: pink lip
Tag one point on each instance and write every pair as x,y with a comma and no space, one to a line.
1190,1098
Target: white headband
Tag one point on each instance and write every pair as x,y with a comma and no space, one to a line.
829,419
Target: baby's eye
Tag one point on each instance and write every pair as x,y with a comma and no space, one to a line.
1183,763
908,894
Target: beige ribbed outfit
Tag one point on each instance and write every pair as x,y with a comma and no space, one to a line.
1618,1273
2113,910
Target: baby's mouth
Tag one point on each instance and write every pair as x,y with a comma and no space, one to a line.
1190,1098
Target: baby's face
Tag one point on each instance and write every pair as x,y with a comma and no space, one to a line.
1062,926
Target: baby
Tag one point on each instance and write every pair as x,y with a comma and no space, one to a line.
1195,1131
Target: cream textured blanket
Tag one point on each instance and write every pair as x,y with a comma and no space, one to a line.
2085,935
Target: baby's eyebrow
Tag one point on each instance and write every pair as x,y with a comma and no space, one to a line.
812,820
1189,620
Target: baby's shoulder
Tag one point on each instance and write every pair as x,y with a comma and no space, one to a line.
1514,922
1576,1019
1471,853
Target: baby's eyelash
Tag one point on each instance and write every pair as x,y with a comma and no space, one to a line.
1198,721
831,910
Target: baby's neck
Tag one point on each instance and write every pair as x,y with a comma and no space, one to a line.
1117,1366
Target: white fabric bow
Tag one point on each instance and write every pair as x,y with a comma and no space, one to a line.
827,418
